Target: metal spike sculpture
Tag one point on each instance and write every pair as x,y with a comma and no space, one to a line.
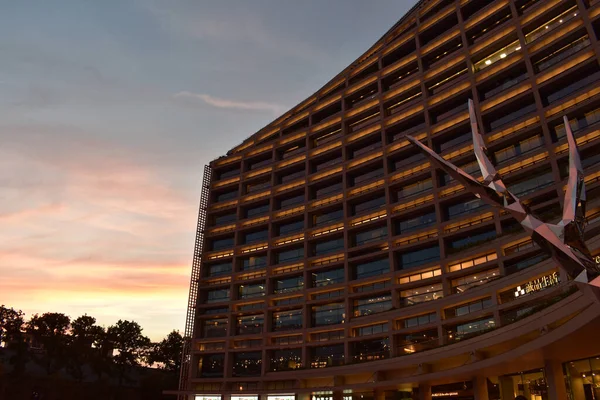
563,241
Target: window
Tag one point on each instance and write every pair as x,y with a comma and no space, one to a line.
288,285
372,174
413,189
473,239
252,237
334,187
226,196
327,336
321,248
329,217
216,327
372,305
369,205
219,269
330,277
228,174
465,207
469,308
216,295
456,140
518,149
418,257
291,176
291,227
211,365
421,294
532,184
258,186
371,268
255,164
290,255
327,356
463,331
415,223
419,320
285,360
327,136
372,329
328,314
252,212
253,262
372,235
321,165
247,363
287,320
250,291
224,219
465,283
219,244
290,201
371,350
250,324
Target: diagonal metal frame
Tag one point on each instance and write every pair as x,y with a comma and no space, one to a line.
186,357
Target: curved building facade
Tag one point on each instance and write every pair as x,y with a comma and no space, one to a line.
334,262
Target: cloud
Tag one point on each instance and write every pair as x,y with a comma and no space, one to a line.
232,104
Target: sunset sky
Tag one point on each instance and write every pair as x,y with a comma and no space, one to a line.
109,109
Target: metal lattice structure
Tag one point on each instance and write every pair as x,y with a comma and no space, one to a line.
563,241
195,276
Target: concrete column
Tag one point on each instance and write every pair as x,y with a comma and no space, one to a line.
507,388
480,388
424,391
555,380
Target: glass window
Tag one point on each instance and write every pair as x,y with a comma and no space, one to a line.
290,255
287,320
372,329
469,329
415,188
224,219
418,257
226,196
369,205
321,248
371,350
329,217
328,314
372,268
327,356
329,189
330,277
250,324
472,240
211,365
252,212
465,283
373,235
531,184
319,166
285,360
256,236
229,174
247,363
219,269
220,244
290,201
216,295
253,262
256,186
466,207
456,140
469,308
415,223
287,285
372,305
376,173
253,290
421,294
518,149
291,227
216,327
419,320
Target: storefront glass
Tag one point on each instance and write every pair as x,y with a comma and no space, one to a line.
530,384
583,379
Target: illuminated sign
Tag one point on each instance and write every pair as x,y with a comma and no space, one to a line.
247,397
597,259
281,397
208,397
444,394
537,284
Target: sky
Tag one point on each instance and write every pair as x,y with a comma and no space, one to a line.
108,112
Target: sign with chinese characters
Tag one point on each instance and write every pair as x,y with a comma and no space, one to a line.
247,397
444,394
537,284
281,397
208,397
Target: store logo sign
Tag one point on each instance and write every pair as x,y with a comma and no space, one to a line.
537,284
444,394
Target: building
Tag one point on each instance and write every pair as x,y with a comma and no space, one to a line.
334,263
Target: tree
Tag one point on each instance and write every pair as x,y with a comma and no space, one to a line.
167,353
130,346
84,347
51,329
11,324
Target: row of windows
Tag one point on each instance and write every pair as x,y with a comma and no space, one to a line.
562,17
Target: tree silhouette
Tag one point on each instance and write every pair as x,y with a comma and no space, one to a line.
129,344
167,353
84,347
11,334
50,330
